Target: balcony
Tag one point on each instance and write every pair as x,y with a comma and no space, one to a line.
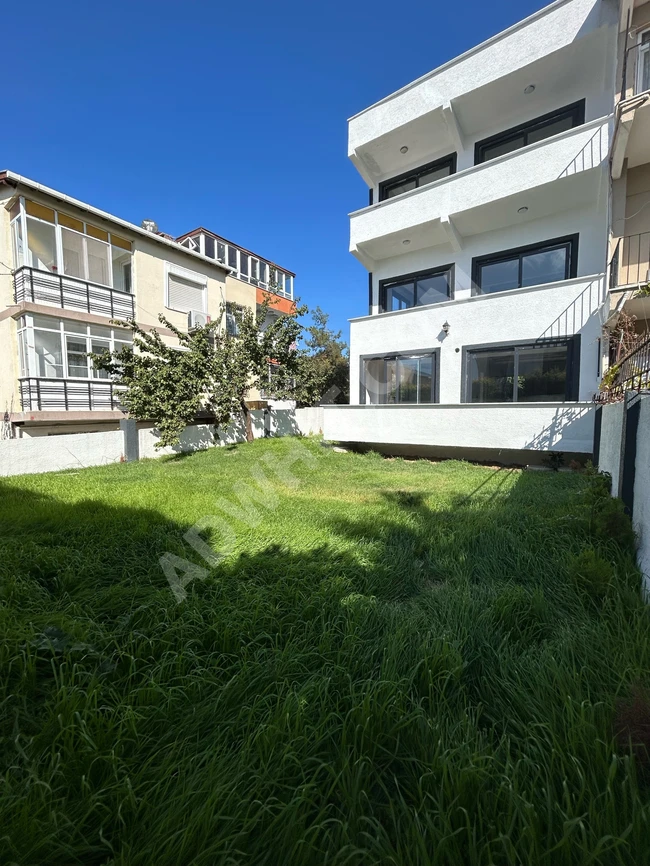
475,427
562,45
630,265
554,174
43,287
67,395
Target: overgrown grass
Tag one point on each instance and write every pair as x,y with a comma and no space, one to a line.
402,663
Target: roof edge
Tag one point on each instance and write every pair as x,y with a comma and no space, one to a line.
12,179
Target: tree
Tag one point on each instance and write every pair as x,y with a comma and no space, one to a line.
324,364
210,370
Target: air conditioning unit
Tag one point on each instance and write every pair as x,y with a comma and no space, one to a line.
196,319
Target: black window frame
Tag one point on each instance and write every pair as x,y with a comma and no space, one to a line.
572,387
399,280
570,270
450,159
575,109
433,352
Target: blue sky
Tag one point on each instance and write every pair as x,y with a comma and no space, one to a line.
231,116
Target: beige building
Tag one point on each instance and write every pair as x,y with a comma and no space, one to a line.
630,169
69,269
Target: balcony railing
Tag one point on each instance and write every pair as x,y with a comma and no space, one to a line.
630,264
68,395
43,287
636,70
631,373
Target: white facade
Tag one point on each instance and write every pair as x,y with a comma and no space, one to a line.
486,243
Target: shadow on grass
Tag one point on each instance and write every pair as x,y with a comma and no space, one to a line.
378,698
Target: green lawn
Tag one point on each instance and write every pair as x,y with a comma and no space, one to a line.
396,665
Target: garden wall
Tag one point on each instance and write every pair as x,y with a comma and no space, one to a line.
137,441
622,448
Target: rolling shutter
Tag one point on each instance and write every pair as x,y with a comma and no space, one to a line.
185,295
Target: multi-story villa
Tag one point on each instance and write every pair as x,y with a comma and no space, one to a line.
486,240
69,269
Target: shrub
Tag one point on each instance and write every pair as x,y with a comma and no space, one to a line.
610,521
591,574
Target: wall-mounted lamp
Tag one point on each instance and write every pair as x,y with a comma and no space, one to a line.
446,327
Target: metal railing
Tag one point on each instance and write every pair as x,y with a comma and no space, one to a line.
613,266
636,70
68,395
632,261
631,373
68,293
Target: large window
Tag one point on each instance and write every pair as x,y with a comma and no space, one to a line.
418,177
546,262
528,133
407,378
538,373
416,290
62,244
643,63
58,348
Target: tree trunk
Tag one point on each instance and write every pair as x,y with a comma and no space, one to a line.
248,423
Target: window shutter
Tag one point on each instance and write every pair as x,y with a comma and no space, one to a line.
184,295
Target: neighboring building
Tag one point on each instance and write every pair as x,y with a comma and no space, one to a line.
630,171
486,244
69,269
250,277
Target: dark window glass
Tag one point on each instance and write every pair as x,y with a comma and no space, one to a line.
407,379
554,127
431,290
232,256
243,264
399,188
492,376
499,276
546,267
262,272
427,287
418,177
536,265
531,132
209,246
541,374
503,147
400,297
521,374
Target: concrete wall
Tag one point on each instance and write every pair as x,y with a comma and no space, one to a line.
641,509
611,431
31,455
611,459
532,427
310,420
54,453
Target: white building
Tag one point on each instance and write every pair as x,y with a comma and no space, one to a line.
486,242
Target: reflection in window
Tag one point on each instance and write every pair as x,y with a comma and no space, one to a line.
531,132
536,265
519,374
399,379
427,287
418,177
55,348
41,245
